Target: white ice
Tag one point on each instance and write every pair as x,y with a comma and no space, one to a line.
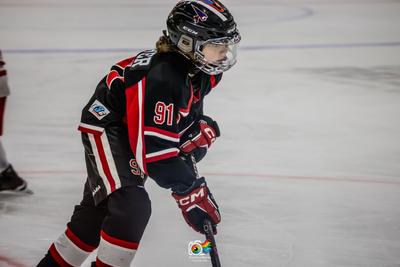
307,169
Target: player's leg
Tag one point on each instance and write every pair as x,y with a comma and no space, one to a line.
83,231
129,210
108,159
129,207
9,179
81,237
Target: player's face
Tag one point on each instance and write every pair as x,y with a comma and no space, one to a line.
217,55
214,53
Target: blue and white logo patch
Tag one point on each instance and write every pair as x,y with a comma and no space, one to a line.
98,110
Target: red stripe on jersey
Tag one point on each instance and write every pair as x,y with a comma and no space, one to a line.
87,130
112,76
99,263
132,115
160,131
135,120
3,73
213,81
123,63
119,242
104,163
163,156
57,257
185,111
79,243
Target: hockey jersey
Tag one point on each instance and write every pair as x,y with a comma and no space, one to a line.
157,97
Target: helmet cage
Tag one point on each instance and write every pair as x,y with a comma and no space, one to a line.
218,66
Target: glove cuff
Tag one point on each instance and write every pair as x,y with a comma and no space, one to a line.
197,183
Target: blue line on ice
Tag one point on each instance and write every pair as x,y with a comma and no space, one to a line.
245,48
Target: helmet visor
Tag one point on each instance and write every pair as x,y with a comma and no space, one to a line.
218,55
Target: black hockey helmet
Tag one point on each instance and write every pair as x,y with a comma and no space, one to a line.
193,24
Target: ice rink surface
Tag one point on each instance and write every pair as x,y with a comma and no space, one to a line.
307,171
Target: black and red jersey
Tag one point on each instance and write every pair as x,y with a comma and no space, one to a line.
156,97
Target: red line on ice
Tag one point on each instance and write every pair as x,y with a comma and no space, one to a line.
255,175
314,178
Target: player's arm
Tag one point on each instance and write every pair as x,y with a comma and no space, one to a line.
163,162
162,109
197,139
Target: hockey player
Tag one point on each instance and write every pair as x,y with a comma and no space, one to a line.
9,179
144,119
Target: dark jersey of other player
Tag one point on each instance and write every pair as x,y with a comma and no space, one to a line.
156,98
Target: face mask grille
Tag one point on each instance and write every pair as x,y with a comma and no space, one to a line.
224,51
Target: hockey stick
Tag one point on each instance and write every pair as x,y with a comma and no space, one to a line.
208,229
210,237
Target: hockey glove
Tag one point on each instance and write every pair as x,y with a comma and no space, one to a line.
199,137
198,204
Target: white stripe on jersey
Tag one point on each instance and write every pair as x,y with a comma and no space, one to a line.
184,113
110,161
161,152
162,136
184,130
139,146
98,163
91,127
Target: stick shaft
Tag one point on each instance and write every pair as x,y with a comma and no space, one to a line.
210,237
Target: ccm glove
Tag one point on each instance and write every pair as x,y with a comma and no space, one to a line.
198,204
200,136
